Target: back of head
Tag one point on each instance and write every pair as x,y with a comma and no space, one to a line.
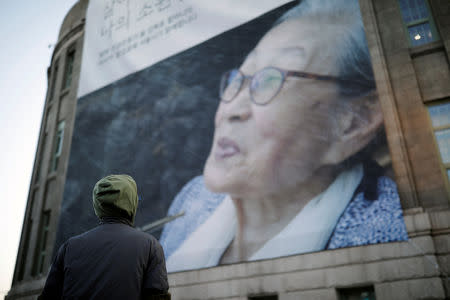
115,196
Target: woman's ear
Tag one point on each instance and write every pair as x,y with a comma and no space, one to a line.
356,127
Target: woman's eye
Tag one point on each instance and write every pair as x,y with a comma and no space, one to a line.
265,82
267,79
271,81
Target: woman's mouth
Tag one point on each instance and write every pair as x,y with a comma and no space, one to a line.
226,148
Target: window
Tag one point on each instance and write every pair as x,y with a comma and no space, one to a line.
440,120
68,70
58,146
263,297
26,238
41,156
41,249
29,225
358,293
418,21
54,75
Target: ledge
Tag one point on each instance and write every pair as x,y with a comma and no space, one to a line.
426,49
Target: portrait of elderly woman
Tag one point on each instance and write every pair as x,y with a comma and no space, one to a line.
290,169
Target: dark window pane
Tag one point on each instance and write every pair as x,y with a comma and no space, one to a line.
263,297
443,140
69,69
54,76
413,10
58,146
440,115
359,293
40,254
423,10
29,225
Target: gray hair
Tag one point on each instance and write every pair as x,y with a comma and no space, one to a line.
353,56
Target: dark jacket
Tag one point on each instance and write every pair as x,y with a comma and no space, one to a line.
113,260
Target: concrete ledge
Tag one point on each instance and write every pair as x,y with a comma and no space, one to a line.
386,271
415,247
442,244
440,221
402,270
444,263
427,288
418,224
420,288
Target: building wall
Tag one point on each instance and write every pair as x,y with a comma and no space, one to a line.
408,80
404,270
46,187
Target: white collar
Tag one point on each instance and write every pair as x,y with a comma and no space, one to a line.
205,246
309,231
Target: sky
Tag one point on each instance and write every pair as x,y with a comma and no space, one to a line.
29,31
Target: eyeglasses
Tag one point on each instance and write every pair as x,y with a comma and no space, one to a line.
264,84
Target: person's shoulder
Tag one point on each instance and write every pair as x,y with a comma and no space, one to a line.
133,237
146,242
143,235
82,236
129,233
371,221
106,231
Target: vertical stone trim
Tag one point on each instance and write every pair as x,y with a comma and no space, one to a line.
394,132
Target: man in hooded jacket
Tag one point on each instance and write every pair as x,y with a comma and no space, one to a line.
113,260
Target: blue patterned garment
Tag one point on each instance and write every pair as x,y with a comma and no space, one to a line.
362,222
371,221
198,203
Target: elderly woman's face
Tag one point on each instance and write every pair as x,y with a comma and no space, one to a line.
262,149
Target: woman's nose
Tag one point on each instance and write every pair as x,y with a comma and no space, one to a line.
237,110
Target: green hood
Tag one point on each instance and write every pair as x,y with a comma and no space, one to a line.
115,196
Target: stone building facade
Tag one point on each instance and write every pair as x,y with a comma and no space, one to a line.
413,80
50,165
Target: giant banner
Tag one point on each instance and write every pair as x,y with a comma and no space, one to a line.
252,128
